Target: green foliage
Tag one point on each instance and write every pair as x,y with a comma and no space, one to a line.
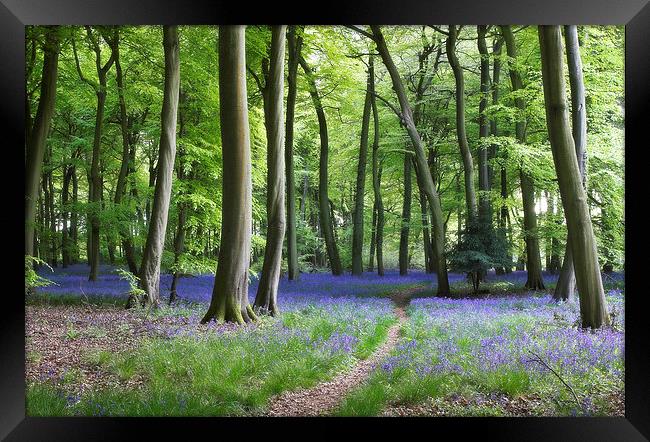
480,248
134,290
33,279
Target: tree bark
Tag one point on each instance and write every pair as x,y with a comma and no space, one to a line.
323,195
230,293
266,300
534,280
593,306
465,153
485,208
566,283
292,246
152,256
406,217
120,188
425,181
357,226
39,131
373,232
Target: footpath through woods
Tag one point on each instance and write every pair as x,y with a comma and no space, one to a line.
324,397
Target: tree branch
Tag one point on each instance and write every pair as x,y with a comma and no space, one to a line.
393,108
362,32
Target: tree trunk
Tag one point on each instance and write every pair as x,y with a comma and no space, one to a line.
292,247
38,133
357,227
266,300
534,279
52,219
373,232
593,306
485,208
152,256
406,217
425,181
465,153
120,188
65,233
74,217
230,293
567,281
323,195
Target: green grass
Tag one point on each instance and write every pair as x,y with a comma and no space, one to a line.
230,373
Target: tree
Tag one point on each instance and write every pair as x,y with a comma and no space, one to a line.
425,181
152,256
567,280
593,307
534,280
95,194
273,94
378,229
485,209
357,232
465,153
37,134
406,217
230,293
294,46
120,187
323,194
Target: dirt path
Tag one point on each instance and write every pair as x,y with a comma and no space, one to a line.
322,398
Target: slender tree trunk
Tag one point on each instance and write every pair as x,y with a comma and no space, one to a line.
485,208
152,256
292,247
230,293
406,217
120,188
425,181
266,300
323,195
426,238
465,153
357,227
593,306
52,220
74,217
38,133
566,283
534,279
65,233
373,232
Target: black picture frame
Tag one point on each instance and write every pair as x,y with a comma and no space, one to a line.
15,14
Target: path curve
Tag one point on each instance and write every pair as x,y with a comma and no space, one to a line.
324,397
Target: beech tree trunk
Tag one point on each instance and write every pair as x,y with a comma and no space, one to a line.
95,193
120,188
593,306
465,153
357,226
230,293
39,131
373,232
425,181
152,256
292,246
406,218
323,194
534,280
266,300
485,208
566,283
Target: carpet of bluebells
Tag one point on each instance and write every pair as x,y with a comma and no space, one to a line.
501,349
519,345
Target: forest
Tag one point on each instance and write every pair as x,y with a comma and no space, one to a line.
353,220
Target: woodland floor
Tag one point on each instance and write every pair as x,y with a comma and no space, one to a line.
72,349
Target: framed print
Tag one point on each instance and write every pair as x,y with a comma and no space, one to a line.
407,210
